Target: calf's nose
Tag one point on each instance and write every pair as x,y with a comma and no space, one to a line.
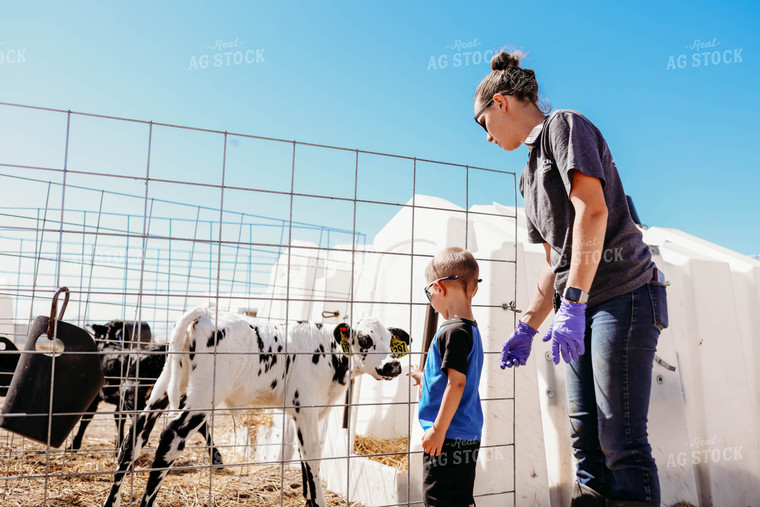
390,369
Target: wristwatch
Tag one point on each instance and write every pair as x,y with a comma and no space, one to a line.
575,295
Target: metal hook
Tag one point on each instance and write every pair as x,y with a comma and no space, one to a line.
663,363
511,306
54,308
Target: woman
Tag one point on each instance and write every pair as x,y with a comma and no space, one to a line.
611,299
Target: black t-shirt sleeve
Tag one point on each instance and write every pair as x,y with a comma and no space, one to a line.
455,344
534,236
576,145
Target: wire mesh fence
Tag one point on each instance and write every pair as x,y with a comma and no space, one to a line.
144,221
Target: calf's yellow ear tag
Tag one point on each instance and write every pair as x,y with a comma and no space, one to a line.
399,347
344,336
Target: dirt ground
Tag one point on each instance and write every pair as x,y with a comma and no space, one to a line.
30,477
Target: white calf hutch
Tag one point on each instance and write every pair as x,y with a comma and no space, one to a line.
706,455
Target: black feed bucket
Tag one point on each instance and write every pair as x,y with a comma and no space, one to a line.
55,380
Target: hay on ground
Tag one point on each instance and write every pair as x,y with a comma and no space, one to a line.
391,452
32,477
255,419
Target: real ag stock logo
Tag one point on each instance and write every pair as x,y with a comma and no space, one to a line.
704,54
706,450
226,54
463,54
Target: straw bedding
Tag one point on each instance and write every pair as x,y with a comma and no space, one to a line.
83,478
378,449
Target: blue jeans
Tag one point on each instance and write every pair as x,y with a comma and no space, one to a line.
608,391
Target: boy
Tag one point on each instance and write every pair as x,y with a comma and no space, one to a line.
449,408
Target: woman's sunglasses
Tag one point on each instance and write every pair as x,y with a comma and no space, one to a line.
483,110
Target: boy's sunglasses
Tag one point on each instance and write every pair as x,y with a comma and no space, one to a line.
483,110
451,277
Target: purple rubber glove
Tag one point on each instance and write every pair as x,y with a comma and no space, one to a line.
517,349
548,334
567,332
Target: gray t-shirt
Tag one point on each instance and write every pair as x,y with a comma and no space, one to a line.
567,140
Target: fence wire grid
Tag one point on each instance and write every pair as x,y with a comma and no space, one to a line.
143,221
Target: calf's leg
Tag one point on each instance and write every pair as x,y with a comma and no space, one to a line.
172,442
86,418
136,438
119,417
307,423
213,453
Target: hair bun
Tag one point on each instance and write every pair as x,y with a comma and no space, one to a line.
504,60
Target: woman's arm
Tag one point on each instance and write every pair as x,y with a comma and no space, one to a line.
542,301
589,228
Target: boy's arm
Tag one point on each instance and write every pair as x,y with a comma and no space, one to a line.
432,441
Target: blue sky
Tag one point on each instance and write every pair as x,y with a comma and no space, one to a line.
359,75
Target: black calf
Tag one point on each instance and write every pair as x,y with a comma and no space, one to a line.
130,376
125,333
9,356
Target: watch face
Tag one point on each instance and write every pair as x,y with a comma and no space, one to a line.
575,294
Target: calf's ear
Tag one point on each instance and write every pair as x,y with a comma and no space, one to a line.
342,335
399,342
99,330
342,332
400,334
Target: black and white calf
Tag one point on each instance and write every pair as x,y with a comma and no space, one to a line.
255,365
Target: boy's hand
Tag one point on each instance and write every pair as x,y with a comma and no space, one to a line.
432,441
416,375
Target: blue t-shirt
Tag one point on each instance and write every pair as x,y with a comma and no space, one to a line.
456,345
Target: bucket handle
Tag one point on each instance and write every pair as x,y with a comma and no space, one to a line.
54,307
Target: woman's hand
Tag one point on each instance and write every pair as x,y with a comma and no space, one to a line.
568,331
517,349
